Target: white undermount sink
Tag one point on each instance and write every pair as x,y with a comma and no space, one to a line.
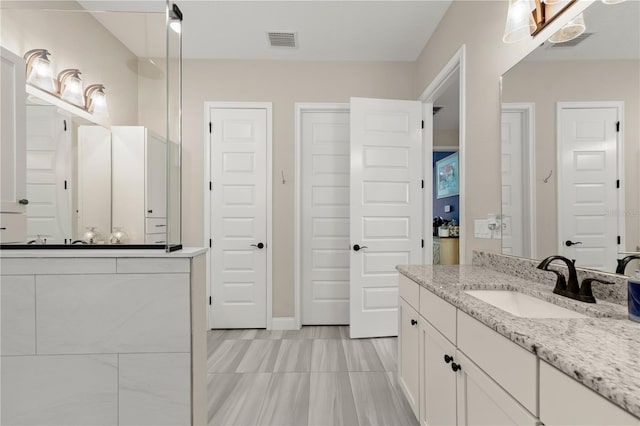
523,305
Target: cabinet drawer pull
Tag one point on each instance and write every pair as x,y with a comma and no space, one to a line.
448,359
413,322
456,367
160,226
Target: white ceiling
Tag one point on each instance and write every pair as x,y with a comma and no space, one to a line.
326,30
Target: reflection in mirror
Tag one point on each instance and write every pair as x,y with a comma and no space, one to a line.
571,144
74,168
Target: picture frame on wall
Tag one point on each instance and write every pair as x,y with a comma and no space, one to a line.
448,176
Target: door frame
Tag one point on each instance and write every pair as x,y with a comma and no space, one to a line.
268,106
528,110
300,108
619,105
457,63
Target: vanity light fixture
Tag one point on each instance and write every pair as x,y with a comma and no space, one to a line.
39,72
571,30
612,1
70,86
520,22
96,100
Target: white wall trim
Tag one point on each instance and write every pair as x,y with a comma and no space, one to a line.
620,214
268,106
457,63
446,148
528,109
284,323
300,108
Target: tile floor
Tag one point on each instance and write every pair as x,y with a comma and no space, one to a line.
312,376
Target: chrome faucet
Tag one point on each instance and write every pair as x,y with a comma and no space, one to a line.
622,263
571,288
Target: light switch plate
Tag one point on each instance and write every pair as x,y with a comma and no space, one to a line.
447,208
481,229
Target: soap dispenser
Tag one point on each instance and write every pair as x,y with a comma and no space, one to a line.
634,297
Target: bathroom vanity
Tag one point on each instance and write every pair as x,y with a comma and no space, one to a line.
103,337
464,361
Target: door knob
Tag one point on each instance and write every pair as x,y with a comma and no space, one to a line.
455,367
24,201
448,359
259,245
570,243
356,247
413,322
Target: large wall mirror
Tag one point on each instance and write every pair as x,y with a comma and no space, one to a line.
571,144
96,179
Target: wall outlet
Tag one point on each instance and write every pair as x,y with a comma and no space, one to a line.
481,229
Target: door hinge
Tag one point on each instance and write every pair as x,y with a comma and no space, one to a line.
65,184
618,183
210,243
210,127
618,126
209,300
618,239
423,124
422,243
422,184
64,123
210,186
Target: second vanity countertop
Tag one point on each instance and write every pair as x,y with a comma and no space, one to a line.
602,352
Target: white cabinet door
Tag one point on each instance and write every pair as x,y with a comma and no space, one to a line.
408,348
564,401
482,402
437,379
12,134
386,209
156,176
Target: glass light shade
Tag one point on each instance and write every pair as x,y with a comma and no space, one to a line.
520,22
71,88
39,72
571,30
96,100
176,26
612,1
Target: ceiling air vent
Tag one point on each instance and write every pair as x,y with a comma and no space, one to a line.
436,109
282,39
572,43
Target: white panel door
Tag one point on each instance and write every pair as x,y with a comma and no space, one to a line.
48,174
155,182
325,217
12,133
512,187
238,218
385,213
587,181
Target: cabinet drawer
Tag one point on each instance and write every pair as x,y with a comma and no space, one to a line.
410,291
566,401
441,314
511,366
13,228
155,239
156,225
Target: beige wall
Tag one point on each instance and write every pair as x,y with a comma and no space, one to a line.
77,40
283,83
446,137
545,84
479,26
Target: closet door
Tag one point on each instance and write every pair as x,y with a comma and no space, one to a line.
385,209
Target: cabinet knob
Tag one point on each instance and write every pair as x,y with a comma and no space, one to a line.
24,201
448,359
456,367
413,322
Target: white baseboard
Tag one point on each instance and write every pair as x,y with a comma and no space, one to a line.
283,323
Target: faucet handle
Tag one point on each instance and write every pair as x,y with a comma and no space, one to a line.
585,294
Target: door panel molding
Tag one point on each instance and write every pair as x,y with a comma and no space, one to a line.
268,107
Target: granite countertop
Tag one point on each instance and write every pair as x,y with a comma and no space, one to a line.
602,351
101,253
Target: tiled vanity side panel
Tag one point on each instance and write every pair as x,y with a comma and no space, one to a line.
56,265
60,390
154,389
527,269
18,315
115,313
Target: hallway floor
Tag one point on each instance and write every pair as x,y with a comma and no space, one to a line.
312,376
